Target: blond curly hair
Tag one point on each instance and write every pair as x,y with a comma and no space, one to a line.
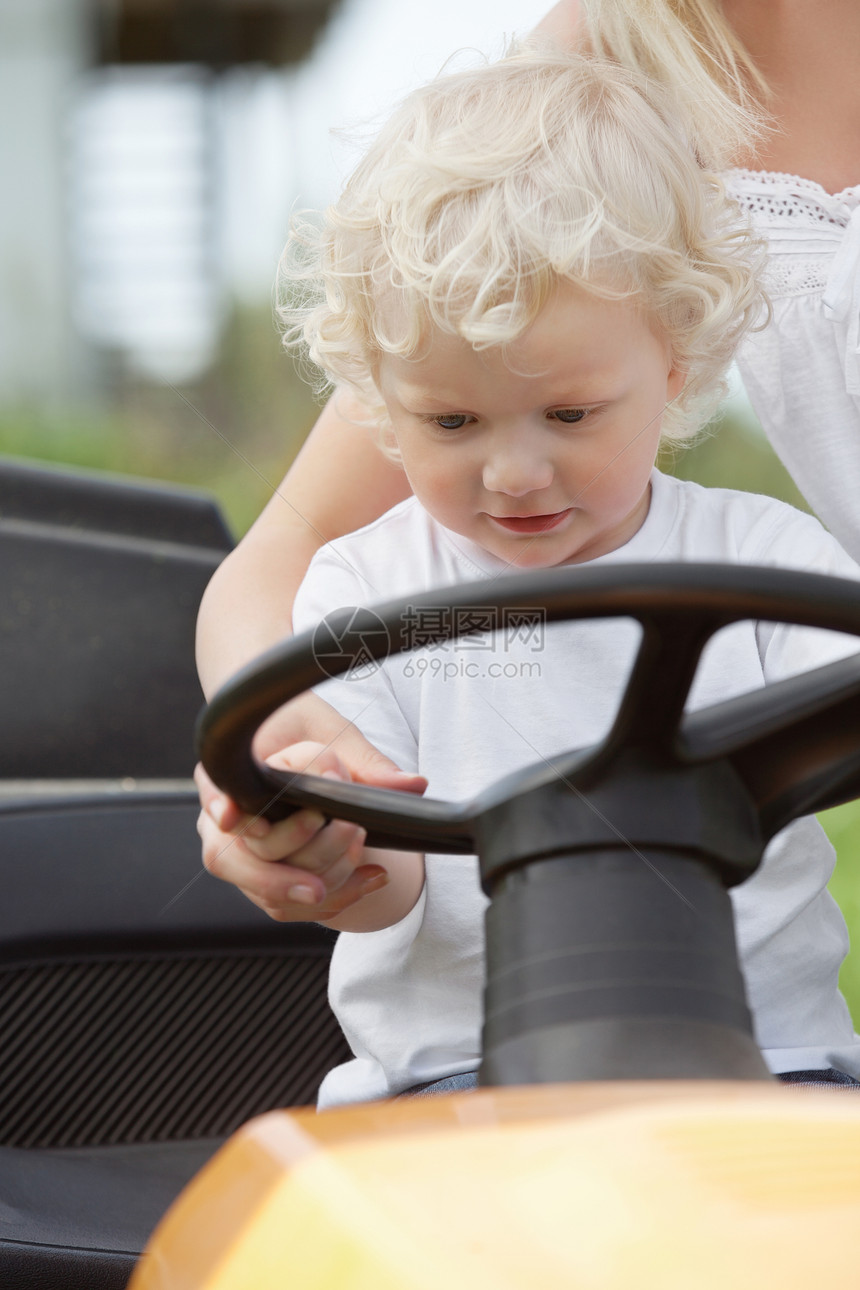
490,186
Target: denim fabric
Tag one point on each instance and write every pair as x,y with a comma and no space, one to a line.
829,1078
450,1084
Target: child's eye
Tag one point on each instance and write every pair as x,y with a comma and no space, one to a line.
569,415
451,421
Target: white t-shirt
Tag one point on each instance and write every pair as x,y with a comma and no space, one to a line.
802,372
464,714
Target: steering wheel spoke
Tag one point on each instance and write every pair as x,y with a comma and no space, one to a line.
653,703
794,744
396,820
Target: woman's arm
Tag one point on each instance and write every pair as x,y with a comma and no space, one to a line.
339,481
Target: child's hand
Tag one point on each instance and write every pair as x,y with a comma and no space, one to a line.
325,874
299,869
310,718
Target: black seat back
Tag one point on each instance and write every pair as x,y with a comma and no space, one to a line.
101,580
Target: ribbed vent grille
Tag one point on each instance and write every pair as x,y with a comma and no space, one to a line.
159,1048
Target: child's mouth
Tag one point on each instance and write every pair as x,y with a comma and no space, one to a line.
532,523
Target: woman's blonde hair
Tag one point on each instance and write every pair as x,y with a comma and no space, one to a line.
489,187
688,47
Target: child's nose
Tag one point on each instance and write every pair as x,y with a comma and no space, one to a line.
516,471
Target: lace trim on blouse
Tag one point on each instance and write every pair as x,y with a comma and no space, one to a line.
813,220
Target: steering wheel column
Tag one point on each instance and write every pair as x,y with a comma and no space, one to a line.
611,948
614,965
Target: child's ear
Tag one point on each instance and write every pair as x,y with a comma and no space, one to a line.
387,440
675,382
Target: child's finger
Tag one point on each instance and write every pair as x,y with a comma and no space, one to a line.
218,806
229,858
310,758
286,838
224,812
310,717
367,765
332,855
288,894
339,851
323,854
362,882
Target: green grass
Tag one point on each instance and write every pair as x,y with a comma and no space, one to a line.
233,433
843,828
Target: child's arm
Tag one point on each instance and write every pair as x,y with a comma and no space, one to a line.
305,869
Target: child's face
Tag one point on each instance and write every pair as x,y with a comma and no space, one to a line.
542,453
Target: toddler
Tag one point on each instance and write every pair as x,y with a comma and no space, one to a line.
532,285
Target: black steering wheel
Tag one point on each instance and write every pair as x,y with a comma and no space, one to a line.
610,938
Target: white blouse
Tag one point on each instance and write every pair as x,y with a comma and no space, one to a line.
802,373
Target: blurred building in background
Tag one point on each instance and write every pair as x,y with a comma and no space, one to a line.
218,34
121,144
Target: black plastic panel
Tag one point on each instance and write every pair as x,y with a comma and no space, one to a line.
160,1048
140,998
